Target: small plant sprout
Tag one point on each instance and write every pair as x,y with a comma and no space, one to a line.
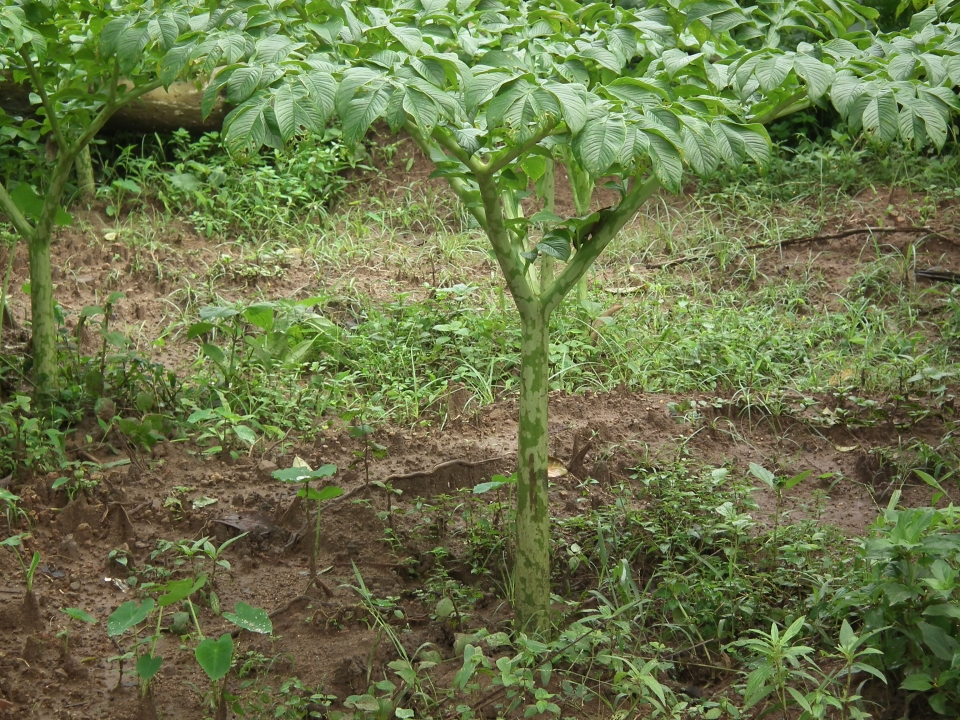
778,664
148,664
77,614
221,425
779,485
217,560
15,543
301,473
849,650
14,513
128,617
215,658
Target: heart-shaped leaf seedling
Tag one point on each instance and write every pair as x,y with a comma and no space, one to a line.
215,656
250,618
299,474
127,616
327,493
178,590
148,666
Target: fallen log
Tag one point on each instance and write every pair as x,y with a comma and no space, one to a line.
157,111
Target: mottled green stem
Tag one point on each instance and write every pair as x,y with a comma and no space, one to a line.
85,180
531,573
548,188
44,326
581,187
46,372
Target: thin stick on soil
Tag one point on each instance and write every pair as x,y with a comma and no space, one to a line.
801,241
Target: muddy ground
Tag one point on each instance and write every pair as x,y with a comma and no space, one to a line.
325,638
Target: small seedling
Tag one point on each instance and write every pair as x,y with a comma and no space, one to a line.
221,425
217,560
16,515
14,542
215,657
301,473
779,485
128,617
779,663
74,614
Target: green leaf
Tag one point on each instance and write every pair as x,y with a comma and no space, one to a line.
110,35
445,608
31,204
148,666
79,614
772,71
202,502
665,159
573,105
363,110
699,146
929,480
598,145
130,46
482,86
796,480
14,540
215,656
880,116
328,493
245,126
322,89
215,354
545,216
422,109
127,616
675,60
495,482
250,618
174,62
556,244
795,627
943,645
951,610
409,37
817,75
303,474
295,111
242,83
177,590
918,682
165,29
247,436
863,667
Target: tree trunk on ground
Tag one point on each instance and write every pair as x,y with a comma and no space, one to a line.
157,111
531,577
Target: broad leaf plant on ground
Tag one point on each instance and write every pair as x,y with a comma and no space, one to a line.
495,92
